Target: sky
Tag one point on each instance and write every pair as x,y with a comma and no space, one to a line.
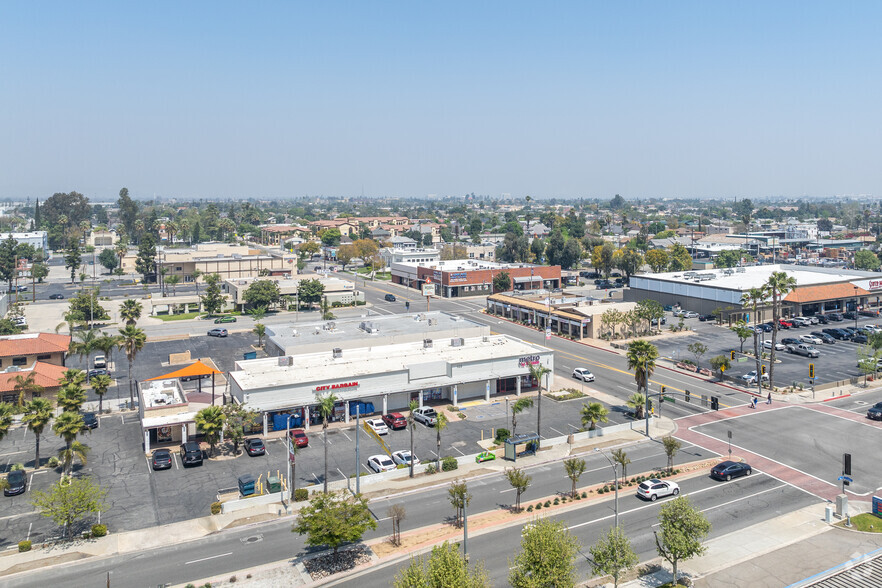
548,99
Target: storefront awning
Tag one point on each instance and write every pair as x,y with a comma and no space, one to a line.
527,279
194,369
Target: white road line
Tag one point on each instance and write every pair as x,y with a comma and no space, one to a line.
509,490
186,563
345,435
341,473
556,431
12,453
175,461
30,526
317,481
149,466
457,450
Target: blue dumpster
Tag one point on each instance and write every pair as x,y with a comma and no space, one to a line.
246,485
249,355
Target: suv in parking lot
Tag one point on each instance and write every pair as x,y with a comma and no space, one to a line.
17,483
395,420
218,333
191,453
834,316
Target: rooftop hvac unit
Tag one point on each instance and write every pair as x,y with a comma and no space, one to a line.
286,361
294,333
433,322
338,352
485,339
427,343
457,342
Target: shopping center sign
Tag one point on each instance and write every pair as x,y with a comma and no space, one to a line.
336,386
529,360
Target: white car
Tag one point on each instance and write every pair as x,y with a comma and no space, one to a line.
381,463
403,458
811,339
778,346
750,377
583,374
653,489
377,426
690,314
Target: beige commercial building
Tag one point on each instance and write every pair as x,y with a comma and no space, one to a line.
336,290
229,261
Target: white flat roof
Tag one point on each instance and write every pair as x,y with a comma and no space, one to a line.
756,276
157,393
321,367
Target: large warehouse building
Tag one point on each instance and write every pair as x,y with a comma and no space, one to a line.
818,290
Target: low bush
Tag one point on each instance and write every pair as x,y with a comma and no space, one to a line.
215,508
547,503
53,462
539,506
557,501
16,467
301,494
431,469
24,545
584,495
530,508
449,463
99,530
501,435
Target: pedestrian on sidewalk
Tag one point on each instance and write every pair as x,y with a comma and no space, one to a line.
769,399
753,403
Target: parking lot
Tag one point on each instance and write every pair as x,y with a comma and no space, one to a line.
837,361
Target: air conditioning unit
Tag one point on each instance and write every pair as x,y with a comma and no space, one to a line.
433,322
286,361
427,343
457,342
338,352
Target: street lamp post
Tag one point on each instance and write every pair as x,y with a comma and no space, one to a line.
615,481
855,307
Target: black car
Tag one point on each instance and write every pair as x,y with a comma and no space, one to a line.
872,313
90,419
790,341
767,327
730,469
859,338
162,459
196,377
837,333
875,412
98,372
56,297
825,337
822,319
834,316
18,483
850,315
191,453
389,297
707,317
254,447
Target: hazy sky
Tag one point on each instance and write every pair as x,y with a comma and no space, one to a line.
568,99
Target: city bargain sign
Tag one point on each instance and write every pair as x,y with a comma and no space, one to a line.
336,386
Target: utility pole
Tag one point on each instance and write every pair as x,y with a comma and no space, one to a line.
287,457
357,460
465,529
646,393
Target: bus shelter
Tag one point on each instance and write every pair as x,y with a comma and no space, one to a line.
521,445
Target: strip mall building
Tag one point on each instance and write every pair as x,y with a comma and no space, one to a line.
471,277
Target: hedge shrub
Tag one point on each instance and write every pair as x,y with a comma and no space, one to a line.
501,436
215,508
99,530
24,545
449,463
301,494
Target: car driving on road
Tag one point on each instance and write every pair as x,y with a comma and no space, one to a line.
224,319
654,489
583,374
730,469
875,412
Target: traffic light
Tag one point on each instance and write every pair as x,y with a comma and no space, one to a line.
764,370
715,403
663,388
846,464
811,370
688,396
732,355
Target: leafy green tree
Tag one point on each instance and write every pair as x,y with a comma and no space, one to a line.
554,247
728,258
145,264
128,211
66,503
866,260
213,299
440,425
72,259
547,558
537,249
330,237
658,260
459,496
7,327
108,259
68,425
330,520
210,421
262,293
517,408
131,340
682,528
236,419
681,259
612,555
743,332
8,259
571,254
446,567
698,349
574,468
671,446
326,410
592,414
310,291
501,282
520,481
629,261
37,414
720,363
345,254
84,307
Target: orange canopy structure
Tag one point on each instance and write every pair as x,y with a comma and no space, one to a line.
194,369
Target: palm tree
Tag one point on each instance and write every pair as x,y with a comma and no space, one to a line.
641,358
122,247
100,385
75,451
778,285
72,376
84,346
620,457
538,371
412,407
6,412
132,340
25,385
637,401
440,425
130,311
210,421
592,414
67,426
173,281
106,344
71,397
38,414
518,407
326,409
754,297
260,331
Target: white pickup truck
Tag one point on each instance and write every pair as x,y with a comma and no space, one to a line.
803,349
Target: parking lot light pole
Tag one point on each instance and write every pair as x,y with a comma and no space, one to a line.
357,462
615,481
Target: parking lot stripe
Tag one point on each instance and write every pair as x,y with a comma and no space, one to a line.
341,473
186,563
556,431
345,435
149,465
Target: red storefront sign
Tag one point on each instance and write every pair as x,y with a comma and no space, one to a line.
336,386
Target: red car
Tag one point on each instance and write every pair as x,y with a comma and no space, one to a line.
395,420
299,437
785,324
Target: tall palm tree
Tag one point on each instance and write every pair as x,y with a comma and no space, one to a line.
106,344
641,358
410,422
754,297
6,412
122,247
210,421
84,345
72,376
326,409
67,426
130,311
25,386
100,385
75,451
440,425
778,285
38,414
260,331
518,407
132,340
538,371
592,414
71,397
